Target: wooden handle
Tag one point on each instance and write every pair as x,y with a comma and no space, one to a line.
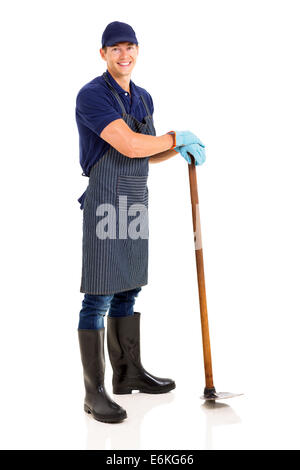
200,274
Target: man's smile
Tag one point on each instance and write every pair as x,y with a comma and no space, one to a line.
124,64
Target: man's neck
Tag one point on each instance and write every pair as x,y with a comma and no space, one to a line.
124,82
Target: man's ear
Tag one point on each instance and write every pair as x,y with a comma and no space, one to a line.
102,53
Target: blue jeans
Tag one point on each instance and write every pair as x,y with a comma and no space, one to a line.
94,308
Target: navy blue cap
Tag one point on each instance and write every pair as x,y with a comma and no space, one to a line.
118,32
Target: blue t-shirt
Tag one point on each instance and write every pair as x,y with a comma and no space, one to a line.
96,107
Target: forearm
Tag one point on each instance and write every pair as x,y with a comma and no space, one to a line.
162,156
147,145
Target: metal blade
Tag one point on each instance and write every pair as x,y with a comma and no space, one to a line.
220,396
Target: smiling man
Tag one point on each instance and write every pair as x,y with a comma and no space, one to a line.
117,141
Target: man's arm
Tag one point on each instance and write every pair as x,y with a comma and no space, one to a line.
134,145
162,156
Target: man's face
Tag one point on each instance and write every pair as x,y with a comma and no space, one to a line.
121,58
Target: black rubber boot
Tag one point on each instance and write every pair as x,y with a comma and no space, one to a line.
123,341
97,402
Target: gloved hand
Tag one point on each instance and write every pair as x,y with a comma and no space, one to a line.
185,138
196,150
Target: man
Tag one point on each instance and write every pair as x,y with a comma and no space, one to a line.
117,142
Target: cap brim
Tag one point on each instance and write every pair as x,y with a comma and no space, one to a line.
120,39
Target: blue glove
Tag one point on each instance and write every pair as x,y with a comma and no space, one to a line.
185,138
196,150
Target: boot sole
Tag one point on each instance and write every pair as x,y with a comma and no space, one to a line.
129,390
104,420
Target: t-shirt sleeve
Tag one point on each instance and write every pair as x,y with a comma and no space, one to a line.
151,104
95,111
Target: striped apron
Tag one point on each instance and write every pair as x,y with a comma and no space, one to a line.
118,262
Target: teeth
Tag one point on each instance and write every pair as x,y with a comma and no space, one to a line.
125,63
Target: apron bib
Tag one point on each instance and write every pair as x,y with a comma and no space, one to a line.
119,262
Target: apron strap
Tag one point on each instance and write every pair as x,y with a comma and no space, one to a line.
145,104
119,99
115,93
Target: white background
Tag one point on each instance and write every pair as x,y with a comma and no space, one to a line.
229,72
